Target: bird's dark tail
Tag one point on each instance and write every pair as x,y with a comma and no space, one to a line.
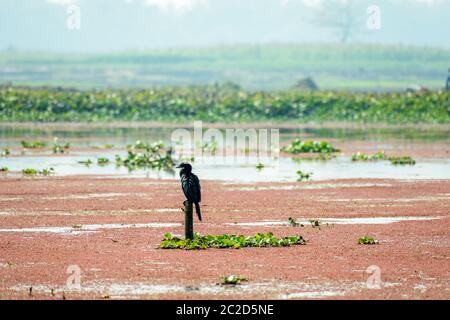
197,209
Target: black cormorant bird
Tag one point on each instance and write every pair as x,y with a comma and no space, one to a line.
191,186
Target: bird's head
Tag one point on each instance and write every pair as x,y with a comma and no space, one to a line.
186,167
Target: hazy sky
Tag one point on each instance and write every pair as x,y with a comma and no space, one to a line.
107,25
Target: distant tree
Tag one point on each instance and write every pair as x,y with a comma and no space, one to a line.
344,17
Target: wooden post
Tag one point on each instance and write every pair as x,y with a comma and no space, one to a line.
188,220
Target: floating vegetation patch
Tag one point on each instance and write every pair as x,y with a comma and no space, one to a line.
154,156
60,148
232,280
5,152
229,241
33,144
298,146
210,146
35,172
30,172
103,161
374,157
106,147
367,240
260,166
303,176
139,145
402,160
87,162
382,156
322,157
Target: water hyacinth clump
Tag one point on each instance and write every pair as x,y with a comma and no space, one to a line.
144,155
229,241
298,146
374,157
103,161
33,144
60,148
382,156
35,172
367,240
406,160
303,176
5,153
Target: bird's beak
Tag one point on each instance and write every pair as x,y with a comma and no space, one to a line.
179,167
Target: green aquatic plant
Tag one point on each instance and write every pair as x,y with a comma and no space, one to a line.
260,166
30,172
5,153
87,162
138,145
60,148
103,161
293,223
229,241
33,144
4,169
216,103
405,160
303,176
108,146
154,156
381,155
367,240
210,146
34,172
233,280
47,171
318,157
298,146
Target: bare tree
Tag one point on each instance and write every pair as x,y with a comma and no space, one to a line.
343,17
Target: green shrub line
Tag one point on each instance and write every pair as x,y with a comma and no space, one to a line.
229,241
218,103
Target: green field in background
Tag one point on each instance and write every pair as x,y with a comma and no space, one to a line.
254,67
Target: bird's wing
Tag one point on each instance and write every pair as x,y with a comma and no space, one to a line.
197,187
188,185
191,187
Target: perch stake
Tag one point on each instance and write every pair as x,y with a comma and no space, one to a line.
188,220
